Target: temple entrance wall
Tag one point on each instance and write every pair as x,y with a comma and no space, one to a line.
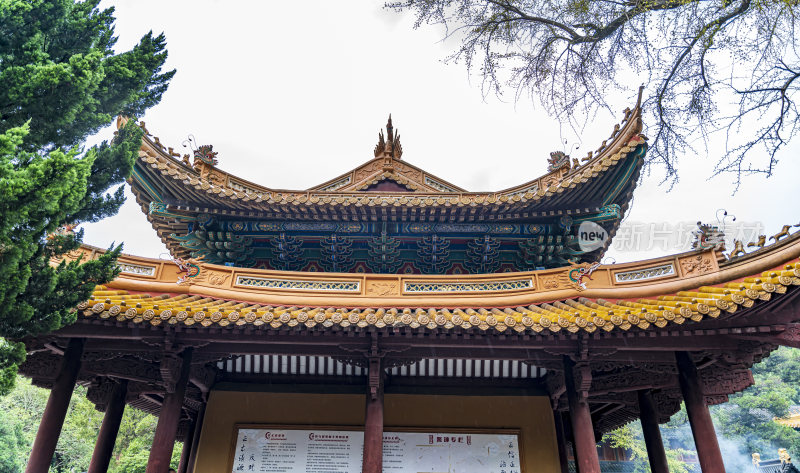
531,415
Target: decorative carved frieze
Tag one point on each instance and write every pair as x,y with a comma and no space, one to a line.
479,286
645,274
299,284
353,360
696,265
723,382
716,399
631,378
653,367
41,366
389,363
791,336
127,368
382,288
137,269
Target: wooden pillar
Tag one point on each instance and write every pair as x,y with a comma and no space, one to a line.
44,446
198,428
170,414
187,446
561,441
571,440
104,446
373,421
705,438
652,434
582,430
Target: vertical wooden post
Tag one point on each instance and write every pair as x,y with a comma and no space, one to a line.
705,438
198,428
170,415
648,414
104,446
582,429
571,440
44,446
187,446
373,421
561,441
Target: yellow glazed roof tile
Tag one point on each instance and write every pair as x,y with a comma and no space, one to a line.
570,315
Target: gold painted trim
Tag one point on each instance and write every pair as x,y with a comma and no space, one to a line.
385,290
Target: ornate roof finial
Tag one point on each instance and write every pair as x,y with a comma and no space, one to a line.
389,146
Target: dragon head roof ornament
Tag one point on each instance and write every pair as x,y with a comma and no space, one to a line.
205,161
557,160
206,154
708,237
390,145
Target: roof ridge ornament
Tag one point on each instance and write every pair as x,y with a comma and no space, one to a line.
557,160
390,145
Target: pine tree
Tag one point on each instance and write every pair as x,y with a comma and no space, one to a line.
60,81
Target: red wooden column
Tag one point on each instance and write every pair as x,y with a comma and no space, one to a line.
652,434
170,414
373,421
44,446
187,446
198,428
705,438
104,446
582,430
561,441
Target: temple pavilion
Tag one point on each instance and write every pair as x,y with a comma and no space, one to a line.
389,320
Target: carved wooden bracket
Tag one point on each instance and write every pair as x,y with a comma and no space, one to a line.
170,368
375,377
99,392
583,378
556,387
375,358
203,377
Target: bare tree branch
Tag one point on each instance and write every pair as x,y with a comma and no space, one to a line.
703,60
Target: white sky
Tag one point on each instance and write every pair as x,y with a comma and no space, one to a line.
292,94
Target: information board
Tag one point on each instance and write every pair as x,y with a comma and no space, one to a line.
280,450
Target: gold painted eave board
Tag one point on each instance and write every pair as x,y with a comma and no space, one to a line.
696,288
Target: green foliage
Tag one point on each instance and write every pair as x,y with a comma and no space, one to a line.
746,423
78,436
748,417
60,81
12,452
630,438
20,413
58,70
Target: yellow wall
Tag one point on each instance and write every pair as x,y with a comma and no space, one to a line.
531,414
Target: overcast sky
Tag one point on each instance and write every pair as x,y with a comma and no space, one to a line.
292,94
